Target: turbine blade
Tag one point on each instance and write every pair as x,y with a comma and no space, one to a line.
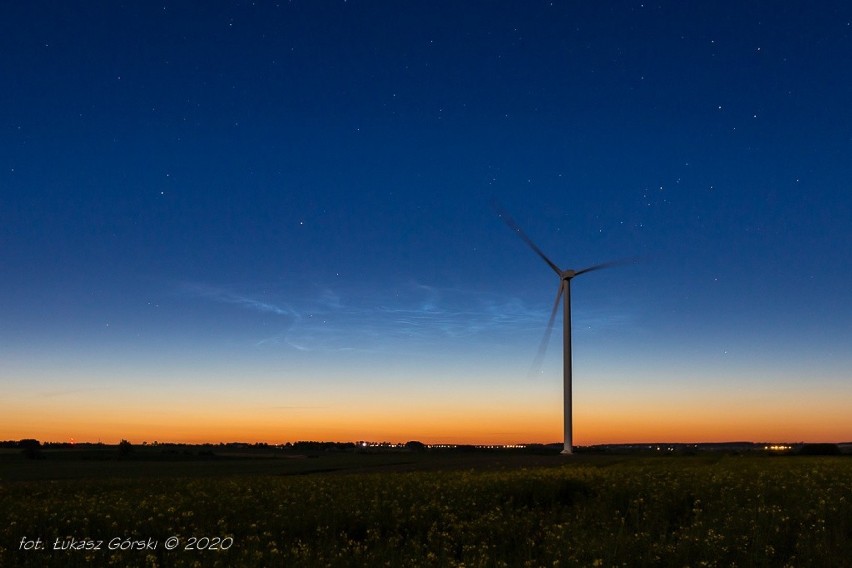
542,348
517,229
605,265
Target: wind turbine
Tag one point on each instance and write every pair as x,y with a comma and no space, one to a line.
562,293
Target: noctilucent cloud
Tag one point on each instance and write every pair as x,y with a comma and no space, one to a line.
238,221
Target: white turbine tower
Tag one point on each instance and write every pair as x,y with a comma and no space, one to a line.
563,293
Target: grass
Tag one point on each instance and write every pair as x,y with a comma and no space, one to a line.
435,510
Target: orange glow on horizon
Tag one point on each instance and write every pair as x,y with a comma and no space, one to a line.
447,411
459,422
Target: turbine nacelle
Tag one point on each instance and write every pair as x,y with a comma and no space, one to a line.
567,274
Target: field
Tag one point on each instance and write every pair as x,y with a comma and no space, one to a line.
427,510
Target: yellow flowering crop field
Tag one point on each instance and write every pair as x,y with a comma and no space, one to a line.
677,511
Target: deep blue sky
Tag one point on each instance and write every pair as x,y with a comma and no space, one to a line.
286,208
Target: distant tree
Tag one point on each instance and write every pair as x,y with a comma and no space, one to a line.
31,448
415,446
124,447
820,450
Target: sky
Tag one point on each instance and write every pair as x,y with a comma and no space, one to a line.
274,221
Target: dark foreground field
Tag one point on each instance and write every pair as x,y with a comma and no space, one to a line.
424,509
